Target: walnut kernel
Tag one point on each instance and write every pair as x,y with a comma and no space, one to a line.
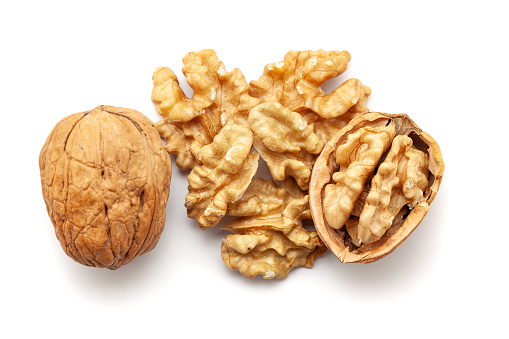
219,97
226,171
269,238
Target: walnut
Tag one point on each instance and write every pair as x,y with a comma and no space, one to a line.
372,185
226,171
191,123
285,141
296,83
356,158
105,179
269,236
302,116
287,117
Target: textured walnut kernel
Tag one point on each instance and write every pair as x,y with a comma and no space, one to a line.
226,171
296,117
269,236
372,185
285,141
400,180
190,123
296,83
290,117
105,179
356,158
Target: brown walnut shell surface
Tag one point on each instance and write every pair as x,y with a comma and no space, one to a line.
105,179
373,184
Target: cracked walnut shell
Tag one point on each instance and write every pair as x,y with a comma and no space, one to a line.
372,185
105,179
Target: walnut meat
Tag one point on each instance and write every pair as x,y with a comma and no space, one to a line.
269,238
219,97
295,116
226,171
372,185
296,83
105,179
285,141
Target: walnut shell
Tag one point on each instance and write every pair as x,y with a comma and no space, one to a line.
105,179
372,185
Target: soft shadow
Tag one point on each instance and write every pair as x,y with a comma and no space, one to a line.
263,170
401,273
333,83
256,283
110,287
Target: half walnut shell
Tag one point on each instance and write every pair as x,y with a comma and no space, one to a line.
372,185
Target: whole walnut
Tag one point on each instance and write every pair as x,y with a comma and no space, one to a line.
105,179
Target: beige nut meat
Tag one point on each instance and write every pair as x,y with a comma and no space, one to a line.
285,141
190,123
105,179
372,185
296,83
356,158
226,171
269,236
296,117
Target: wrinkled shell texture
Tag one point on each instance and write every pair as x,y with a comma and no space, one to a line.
373,184
105,179
220,133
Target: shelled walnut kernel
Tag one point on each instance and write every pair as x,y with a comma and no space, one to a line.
269,238
288,118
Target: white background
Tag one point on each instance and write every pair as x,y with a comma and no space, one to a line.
444,63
